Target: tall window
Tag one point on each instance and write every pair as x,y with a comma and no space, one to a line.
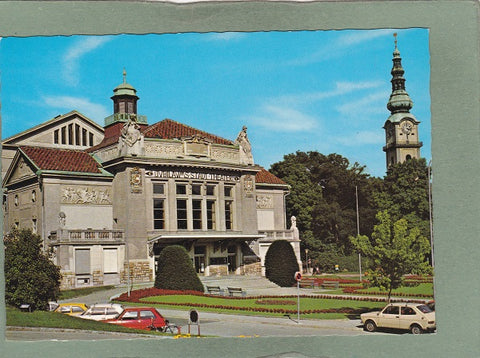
158,206
110,260
197,214
158,214
82,261
228,207
34,226
64,135
84,137
228,215
182,214
211,215
55,136
90,139
70,134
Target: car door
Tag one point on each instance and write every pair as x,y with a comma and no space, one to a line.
389,317
147,319
128,319
407,317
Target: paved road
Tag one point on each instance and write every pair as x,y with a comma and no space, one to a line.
212,324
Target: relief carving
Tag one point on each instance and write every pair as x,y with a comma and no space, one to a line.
86,195
164,150
264,202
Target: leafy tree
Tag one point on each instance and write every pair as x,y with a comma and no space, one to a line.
404,194
30,275
394,250
175,270
281,263
323,199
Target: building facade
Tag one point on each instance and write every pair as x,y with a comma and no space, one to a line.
401,127
107,200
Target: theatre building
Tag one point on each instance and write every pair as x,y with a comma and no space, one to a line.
107,200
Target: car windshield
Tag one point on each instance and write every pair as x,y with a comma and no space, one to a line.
424,309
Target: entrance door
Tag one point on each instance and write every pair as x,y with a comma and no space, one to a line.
232,258
199,253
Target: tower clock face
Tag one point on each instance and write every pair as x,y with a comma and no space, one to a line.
407,127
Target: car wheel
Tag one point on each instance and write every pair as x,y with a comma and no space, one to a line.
416,329
370,326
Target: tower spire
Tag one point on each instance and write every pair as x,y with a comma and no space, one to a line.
399,99
124,75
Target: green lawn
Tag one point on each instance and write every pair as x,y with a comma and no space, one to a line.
17,318
306,303
422,288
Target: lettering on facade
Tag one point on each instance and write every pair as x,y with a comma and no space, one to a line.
167,174
264,202
86,195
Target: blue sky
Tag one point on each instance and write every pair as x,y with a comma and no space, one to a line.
303,90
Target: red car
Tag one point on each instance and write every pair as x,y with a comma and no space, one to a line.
140,318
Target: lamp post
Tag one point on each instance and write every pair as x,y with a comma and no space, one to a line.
358,233
306,258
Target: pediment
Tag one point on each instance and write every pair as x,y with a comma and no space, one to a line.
19,170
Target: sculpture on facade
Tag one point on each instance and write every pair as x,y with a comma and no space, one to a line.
242,141
131,139
294,228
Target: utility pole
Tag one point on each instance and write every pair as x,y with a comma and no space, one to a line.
358,233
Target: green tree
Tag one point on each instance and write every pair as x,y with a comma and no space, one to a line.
324,202
404,194
281,263
394,251
30,275
175,270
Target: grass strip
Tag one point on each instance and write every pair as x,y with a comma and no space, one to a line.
46,319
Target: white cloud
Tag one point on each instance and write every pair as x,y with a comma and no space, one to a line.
371,103
357,37
92,110
361,138
341,88
225,36
74,55
284,119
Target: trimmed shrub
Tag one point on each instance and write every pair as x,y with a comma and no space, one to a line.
175,271
281,263
30,276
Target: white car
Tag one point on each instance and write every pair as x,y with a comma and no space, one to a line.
103,311
415,317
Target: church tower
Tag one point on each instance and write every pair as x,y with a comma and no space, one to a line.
401,128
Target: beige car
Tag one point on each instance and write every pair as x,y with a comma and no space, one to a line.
415,317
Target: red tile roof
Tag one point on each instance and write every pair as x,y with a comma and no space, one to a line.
169,129
265,177
61,159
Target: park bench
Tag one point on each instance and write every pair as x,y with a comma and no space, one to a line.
330,284
306,283
214,290
236,290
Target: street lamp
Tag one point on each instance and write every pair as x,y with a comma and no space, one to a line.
430,210
358,234
306,258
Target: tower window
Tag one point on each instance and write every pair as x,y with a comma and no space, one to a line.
408,157
90,138
55,136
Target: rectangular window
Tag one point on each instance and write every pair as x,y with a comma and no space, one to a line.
229,215
110,261
64,135
82,261
181,189
196,189
210,189
90,138
158,188
77,134
181,214
55,136
158,214
228,191
70,134
211,215
84,137
197,214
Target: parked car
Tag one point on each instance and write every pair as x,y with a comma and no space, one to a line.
431,304
72,309
102,311
147,318
52,305
416,317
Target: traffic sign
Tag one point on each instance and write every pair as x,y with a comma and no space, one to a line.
298,275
